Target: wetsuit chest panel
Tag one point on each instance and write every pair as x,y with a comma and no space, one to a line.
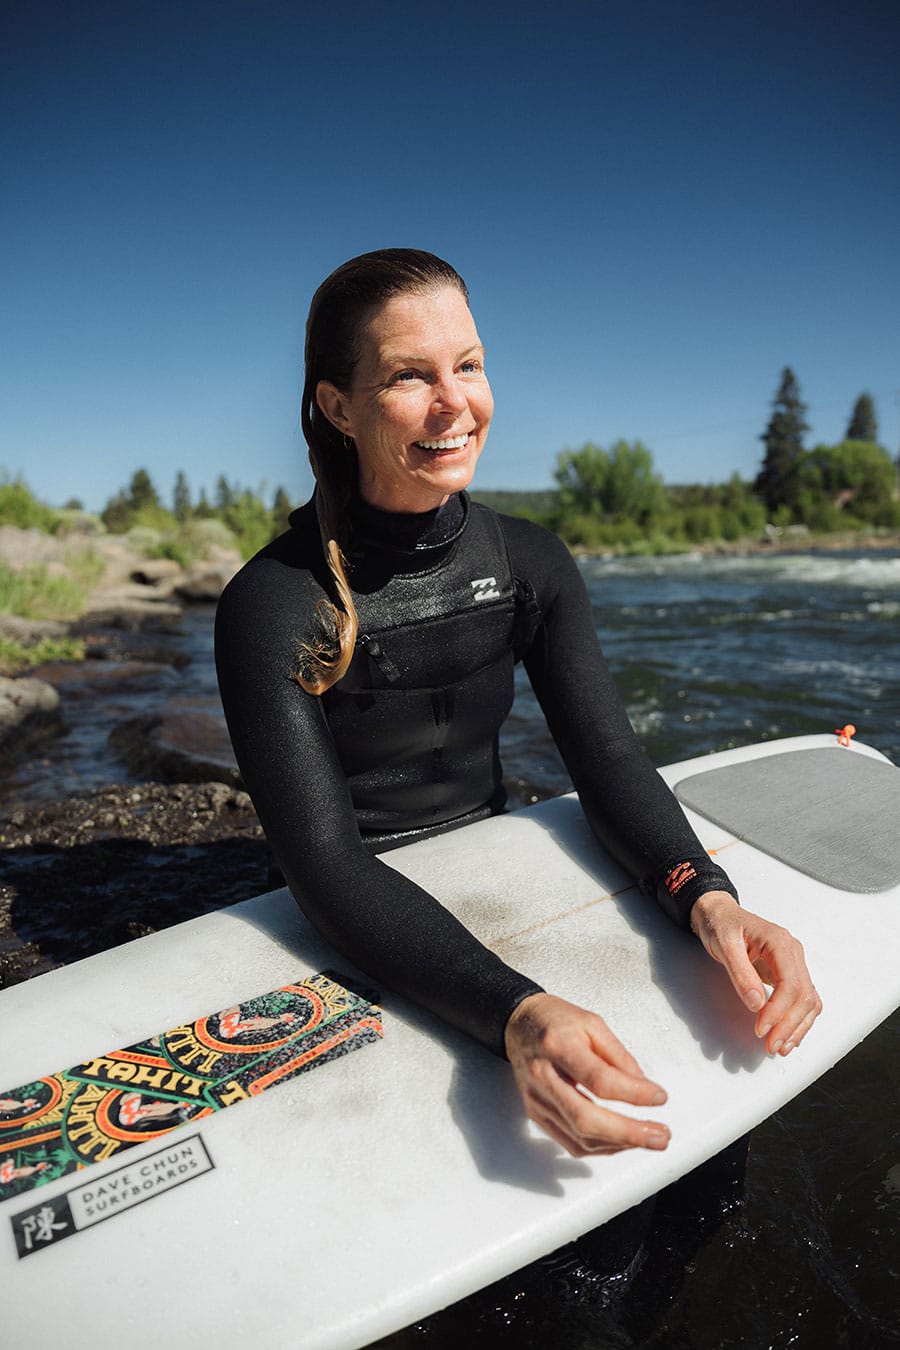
416,757
433,627
417,716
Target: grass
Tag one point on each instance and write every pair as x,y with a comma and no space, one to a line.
38,593
16,658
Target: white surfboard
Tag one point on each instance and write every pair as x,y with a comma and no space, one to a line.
340,1205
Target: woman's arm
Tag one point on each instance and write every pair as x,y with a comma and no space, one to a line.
388,926
631,809
628,805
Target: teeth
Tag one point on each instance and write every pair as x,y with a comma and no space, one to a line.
451,443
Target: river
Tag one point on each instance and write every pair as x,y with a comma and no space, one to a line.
709,652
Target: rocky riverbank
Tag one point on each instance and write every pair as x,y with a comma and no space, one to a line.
90,869
89,872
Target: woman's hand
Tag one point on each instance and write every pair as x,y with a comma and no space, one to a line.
553,1046
752,950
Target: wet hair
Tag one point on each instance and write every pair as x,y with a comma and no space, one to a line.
338,310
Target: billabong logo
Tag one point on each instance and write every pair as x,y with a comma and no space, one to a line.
485,588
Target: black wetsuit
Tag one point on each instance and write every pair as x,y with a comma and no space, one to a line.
406,743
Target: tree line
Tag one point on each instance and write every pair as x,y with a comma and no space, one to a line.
615,499
242,511
604,498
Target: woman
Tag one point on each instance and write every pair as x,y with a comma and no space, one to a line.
366,664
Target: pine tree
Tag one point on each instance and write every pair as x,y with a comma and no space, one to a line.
281,509
141,492
116,514
863,424
783,439
226,495
181,498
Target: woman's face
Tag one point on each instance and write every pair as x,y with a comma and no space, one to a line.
420,404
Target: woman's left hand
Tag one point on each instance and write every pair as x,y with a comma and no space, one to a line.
753,950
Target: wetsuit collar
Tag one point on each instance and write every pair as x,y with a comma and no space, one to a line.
425,535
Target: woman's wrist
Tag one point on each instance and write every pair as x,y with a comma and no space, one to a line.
705,907
519,1012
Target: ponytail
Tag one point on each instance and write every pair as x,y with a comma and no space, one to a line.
325,658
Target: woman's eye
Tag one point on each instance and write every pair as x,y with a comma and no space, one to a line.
403,376
471,367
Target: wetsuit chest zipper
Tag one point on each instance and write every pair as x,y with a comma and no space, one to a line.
371,645
373,648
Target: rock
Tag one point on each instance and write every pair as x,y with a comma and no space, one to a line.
27,548
29,632
29,709
99,683
75,871
129,608
154,571
205,581
177,746
116,645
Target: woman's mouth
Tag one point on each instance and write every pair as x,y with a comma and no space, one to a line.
446,443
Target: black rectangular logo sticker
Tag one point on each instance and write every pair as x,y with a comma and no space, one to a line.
112,1193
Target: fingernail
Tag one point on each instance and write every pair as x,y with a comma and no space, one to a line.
776,1047
657,1137
755,1000
788,1047
659,1097
764,1030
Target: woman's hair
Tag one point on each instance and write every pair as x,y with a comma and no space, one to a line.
338,310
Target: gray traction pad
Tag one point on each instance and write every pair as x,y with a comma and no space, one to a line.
830,812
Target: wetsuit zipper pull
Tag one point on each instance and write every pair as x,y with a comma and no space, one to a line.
373,649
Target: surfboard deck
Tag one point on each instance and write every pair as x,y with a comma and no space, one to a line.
347,1203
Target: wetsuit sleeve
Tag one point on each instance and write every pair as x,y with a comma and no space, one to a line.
387,925
630,808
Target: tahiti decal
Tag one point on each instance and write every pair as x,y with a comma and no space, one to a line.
89,1113
81,1207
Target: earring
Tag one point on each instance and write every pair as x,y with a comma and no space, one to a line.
348,442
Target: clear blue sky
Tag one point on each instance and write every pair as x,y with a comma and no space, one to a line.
657,205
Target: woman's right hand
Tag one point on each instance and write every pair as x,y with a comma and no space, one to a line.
553,1046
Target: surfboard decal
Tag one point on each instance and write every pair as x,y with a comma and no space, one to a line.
87,1114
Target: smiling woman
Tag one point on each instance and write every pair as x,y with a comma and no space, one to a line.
420,405
366,663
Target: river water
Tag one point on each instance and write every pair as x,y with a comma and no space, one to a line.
709,653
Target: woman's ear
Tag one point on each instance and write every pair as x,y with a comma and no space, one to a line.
333,404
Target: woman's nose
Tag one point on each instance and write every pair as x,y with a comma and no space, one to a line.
450,395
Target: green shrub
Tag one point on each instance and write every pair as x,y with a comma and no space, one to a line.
20,507
145,540
72,521
197,540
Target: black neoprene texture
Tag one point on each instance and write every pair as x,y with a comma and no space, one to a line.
406,744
